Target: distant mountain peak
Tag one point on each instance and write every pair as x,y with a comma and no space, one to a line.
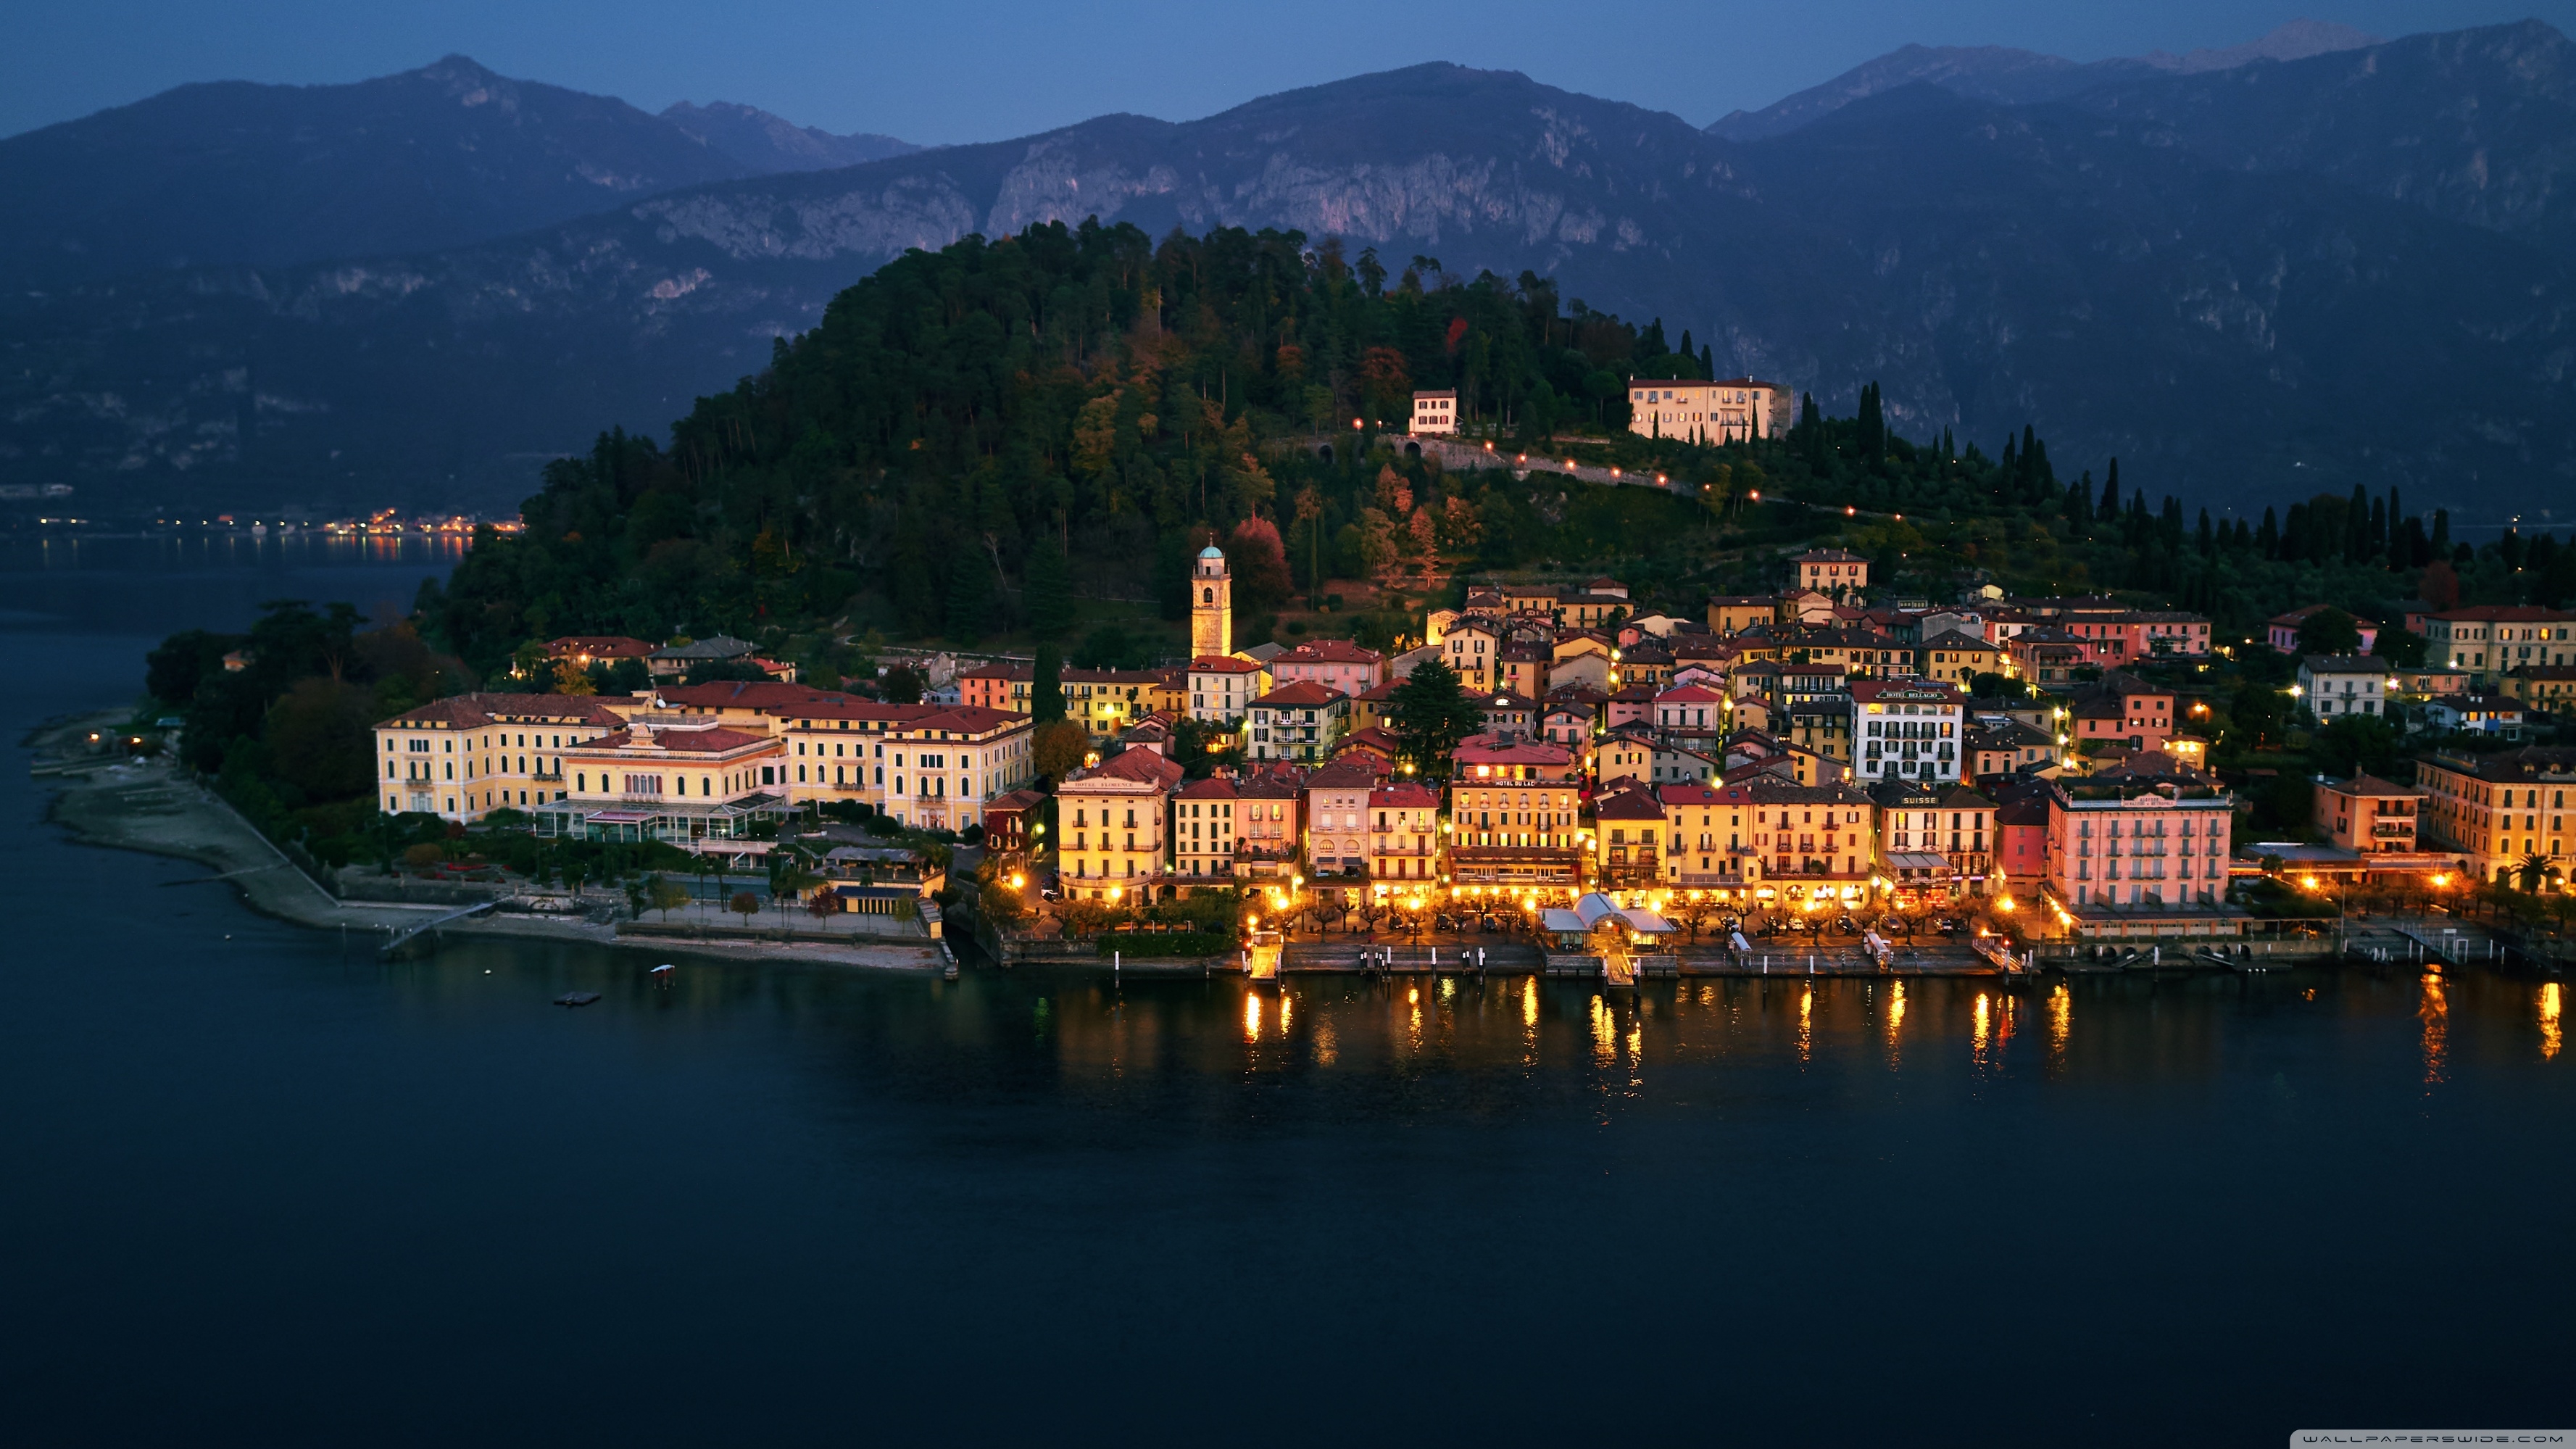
2013,77
769,143
2296,40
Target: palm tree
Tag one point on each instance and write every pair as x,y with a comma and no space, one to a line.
2535,872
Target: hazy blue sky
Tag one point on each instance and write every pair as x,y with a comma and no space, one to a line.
947,73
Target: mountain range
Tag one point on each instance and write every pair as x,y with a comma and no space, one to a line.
2249,277
447,155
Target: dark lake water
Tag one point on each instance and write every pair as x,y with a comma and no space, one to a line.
259,1188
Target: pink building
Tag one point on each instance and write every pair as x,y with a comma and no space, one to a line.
1333,663
2143,837
1690,707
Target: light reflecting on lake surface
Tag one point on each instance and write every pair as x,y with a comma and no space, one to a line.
262,1185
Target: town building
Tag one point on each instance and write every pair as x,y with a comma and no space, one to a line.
585,650
2282,631
2490,640
1999,745
1337,802
2498,810
1222,688
1735,410
1627,833
2046,656
467,755
2140,838
929,766
1907,730
1010,821
1435,413
2122,709
2477,714
2368,814
2542,688
1813,844
1934,841
1211,605
674,779
1735,613
1270,822
1514,814
1334,663
1707,839
1203,837
1829,571
1297,721
2331,685
676,660
1474,647
1404,835
1110,820
1957,659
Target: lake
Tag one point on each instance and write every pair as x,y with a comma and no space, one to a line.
262,1187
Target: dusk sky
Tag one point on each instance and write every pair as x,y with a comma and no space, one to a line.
937,73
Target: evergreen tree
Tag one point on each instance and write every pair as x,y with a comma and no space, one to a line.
1046,684
1872,424
1431,712
2440,545
2208,545
2268,537
2110,508
2356,526
1050,590
1708,362
970,600
2079,501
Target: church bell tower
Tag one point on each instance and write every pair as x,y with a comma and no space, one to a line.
1211,605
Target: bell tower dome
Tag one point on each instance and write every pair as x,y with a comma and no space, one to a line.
1211,605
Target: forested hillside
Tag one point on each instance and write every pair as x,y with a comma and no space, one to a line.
974,439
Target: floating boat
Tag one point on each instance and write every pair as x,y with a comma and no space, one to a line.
577,998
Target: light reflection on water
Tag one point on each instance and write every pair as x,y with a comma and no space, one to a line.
2436,1015
1561,1032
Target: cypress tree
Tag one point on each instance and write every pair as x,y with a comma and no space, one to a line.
2356,526
2268,537
2110,508
2208,545
1046,685
1050,590
2378,527
2079,500
970,600
1708,362
2441,544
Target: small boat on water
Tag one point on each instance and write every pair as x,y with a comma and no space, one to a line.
577,998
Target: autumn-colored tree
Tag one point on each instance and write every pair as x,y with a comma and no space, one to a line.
1386,382
571,678
1394,492
1260,566
1057,748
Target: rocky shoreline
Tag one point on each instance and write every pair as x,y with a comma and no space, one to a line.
155,808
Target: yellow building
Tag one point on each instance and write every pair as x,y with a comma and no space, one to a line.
2498,810
1211,605
1735,410
927,765
1404,836
1110,823
470,754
